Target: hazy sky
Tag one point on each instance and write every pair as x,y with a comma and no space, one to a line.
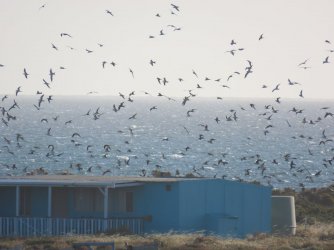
293,31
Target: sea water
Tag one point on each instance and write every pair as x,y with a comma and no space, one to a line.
268,143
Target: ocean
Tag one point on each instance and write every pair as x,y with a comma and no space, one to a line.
287,144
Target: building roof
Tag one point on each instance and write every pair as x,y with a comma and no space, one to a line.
81,180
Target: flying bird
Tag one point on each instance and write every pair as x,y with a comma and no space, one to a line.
76,134
109,12
43,6
326,60
65,34
18,90
4,97
51,73
131,71
25,73
303,63
54,46
152,62
301,94
292,83
276,88
46,83
175,7
133,116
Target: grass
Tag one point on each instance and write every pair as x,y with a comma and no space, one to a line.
316,236
315,230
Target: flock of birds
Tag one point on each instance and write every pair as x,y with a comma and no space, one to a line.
12,143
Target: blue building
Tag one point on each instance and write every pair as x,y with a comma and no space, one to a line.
61,205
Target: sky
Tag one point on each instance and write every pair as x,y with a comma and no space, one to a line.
197,38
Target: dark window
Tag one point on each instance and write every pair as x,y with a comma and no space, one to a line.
25,201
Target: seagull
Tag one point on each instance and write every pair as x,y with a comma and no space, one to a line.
133,116
152,62
131,71
43,6
276,88
4,122
65,34
292,83
301,94
18,90
25,73
232,51
49,98
54,46
175,7
46,83
261,37
76,134
303,63
185,99
5,97
51,73
40,100
190,111
109,12
326,60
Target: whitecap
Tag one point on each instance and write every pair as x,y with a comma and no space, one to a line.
175,156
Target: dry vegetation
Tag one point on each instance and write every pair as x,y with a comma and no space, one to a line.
317,236
317,232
